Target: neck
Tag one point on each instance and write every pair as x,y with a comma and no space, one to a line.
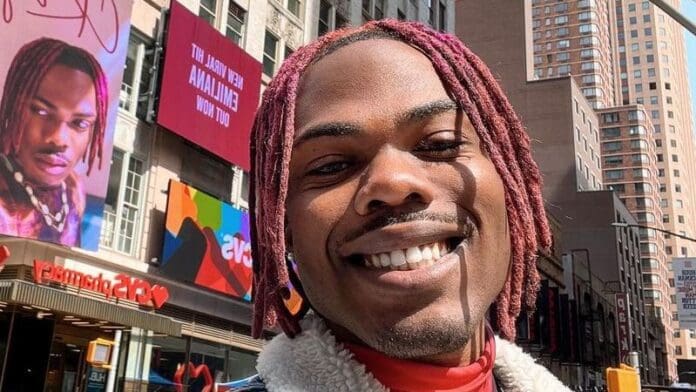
461,357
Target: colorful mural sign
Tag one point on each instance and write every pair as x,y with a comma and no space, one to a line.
685,287
207,242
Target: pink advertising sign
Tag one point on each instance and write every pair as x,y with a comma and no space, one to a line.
210,87
60,75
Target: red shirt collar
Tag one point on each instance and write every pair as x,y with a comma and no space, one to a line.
401,375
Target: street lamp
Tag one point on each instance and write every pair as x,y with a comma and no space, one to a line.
622,224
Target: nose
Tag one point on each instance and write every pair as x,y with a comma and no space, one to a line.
57,132
393,179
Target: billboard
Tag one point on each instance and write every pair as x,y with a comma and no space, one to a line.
60,77
685,287
206,242
623,324
210,87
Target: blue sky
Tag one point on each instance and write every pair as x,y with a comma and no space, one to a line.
688,8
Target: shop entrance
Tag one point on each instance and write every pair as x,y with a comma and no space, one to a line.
48,352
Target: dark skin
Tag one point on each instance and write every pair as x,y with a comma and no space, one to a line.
383,160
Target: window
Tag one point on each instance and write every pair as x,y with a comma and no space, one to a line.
677,188
207,10
583,16
613,174
683,252
640,158
650,58
639,87
134,96
121,217
325,21
651,72
646,18
590,66
639,144
618,188
655,114
270,54
561,19
613,160
631,8
611,132
562,32
675,158
564,56
589,53
660,172
634,33
653,100
680,218
653,85
672,143
643,187
634,115
660,158
635,47
679,203
675,172
295,7
665,218
563,70
563,44
562,7
235,22
589,41
658,142
632,20
609,118
668,86
636,74
647,31
645,5
636,130
669,100
588,28
611,146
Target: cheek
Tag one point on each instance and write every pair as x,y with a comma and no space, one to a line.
81,142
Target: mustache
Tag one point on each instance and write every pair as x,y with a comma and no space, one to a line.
50,149
385,220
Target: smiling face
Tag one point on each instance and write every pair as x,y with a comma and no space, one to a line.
396,216
58,126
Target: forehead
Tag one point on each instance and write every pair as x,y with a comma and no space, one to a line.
369,77
67,86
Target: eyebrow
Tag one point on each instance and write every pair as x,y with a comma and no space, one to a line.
340,129
428,110
53,107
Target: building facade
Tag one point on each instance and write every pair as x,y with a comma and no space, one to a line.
138,314
561,117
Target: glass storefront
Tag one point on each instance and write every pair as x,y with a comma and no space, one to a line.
209,363
42,351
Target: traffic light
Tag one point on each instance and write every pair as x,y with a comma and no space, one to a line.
623,379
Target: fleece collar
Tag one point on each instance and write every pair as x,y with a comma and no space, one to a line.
313,362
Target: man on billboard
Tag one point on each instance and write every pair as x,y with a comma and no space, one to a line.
388,162
52,116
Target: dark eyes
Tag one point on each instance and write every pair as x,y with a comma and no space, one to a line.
78,124
444,146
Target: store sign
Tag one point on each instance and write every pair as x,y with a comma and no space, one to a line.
120,286
60,78
685,287
624,324
206,242
210,87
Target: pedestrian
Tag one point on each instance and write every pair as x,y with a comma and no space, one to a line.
390,169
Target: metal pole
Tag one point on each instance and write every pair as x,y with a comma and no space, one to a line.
676,15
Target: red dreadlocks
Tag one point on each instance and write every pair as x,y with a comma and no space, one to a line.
26,72
474,89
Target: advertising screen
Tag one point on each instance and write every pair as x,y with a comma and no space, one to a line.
60,77
206,242
685,287
210,87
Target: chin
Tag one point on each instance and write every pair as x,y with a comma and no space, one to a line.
422,337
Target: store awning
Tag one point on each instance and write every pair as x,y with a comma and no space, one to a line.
60,301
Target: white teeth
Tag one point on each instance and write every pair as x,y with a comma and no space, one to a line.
413,255
384,260
436,250
427,253
408,259
397,258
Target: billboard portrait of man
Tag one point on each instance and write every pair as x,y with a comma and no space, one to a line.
60,82
52,116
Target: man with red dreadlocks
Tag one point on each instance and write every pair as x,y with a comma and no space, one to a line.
52,116
391,170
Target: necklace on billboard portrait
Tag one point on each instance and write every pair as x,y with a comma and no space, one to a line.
54,220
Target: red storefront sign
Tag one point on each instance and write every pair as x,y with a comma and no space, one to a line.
121,286
623,324
210,87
